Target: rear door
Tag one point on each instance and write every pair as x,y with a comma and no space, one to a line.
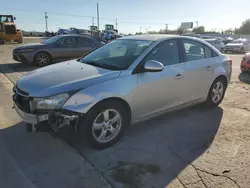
200,62
66,48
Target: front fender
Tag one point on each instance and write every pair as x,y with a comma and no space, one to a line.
85,99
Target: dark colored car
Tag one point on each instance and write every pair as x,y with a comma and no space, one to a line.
56,49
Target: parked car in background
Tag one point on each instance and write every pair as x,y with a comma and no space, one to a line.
55,49
227,40
206,37
216,43
245,63
238,45
128,80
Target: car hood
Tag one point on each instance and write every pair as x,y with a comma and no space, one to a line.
32,45
234,44
63,77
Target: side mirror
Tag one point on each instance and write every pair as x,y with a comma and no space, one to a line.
153,66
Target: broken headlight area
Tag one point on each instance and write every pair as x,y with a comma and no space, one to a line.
59,119
55,121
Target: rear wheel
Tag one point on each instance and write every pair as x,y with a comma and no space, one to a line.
42,59
216,92
105,124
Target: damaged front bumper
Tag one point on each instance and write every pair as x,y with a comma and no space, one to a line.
31,118
51,119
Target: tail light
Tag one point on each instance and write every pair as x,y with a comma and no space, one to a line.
230,62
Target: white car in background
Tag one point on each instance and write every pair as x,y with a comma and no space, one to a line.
217,44
238,45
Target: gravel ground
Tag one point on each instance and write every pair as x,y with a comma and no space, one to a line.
192,148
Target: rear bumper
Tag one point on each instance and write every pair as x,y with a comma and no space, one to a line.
31,118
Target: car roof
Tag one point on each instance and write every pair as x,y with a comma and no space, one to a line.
209,39
156,37
77,35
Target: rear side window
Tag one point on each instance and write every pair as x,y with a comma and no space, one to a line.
193,50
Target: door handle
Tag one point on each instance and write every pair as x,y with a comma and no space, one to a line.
178,76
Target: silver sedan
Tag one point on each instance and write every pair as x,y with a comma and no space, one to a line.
126,81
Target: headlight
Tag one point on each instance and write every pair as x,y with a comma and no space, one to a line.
53,102
26,50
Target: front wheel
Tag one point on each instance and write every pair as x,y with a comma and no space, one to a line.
42,59
105,124
216,93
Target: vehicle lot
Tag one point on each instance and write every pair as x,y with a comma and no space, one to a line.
192,148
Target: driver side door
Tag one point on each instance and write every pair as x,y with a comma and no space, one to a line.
158,91
66,48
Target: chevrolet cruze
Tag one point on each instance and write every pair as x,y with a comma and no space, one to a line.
126,81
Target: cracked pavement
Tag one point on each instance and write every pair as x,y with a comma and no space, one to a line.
193,148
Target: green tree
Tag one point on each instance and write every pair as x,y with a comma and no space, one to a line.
200,29
244,28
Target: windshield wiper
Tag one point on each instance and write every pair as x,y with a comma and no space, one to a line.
101,65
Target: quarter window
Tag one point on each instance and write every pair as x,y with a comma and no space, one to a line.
193,50
166,52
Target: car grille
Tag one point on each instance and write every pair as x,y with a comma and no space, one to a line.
22,100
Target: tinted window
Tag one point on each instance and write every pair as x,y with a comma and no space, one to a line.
84,41
70,41
166,52
193,50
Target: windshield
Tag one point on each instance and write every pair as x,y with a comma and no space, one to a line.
52,40
117,55
237,42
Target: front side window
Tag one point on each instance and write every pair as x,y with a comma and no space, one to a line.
118,54
166,52
193,50
52,40
84,41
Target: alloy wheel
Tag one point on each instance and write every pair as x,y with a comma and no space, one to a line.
106,125
217,92
42,59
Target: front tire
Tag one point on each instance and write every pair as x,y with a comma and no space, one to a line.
105,124
42,59
216,93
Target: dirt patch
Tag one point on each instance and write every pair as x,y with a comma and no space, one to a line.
130,174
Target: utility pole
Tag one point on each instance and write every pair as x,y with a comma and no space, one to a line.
140,29
196,23
46,22
98,19
93,21
116,23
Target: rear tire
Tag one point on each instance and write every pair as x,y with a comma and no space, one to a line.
42,59
216,93
96,124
